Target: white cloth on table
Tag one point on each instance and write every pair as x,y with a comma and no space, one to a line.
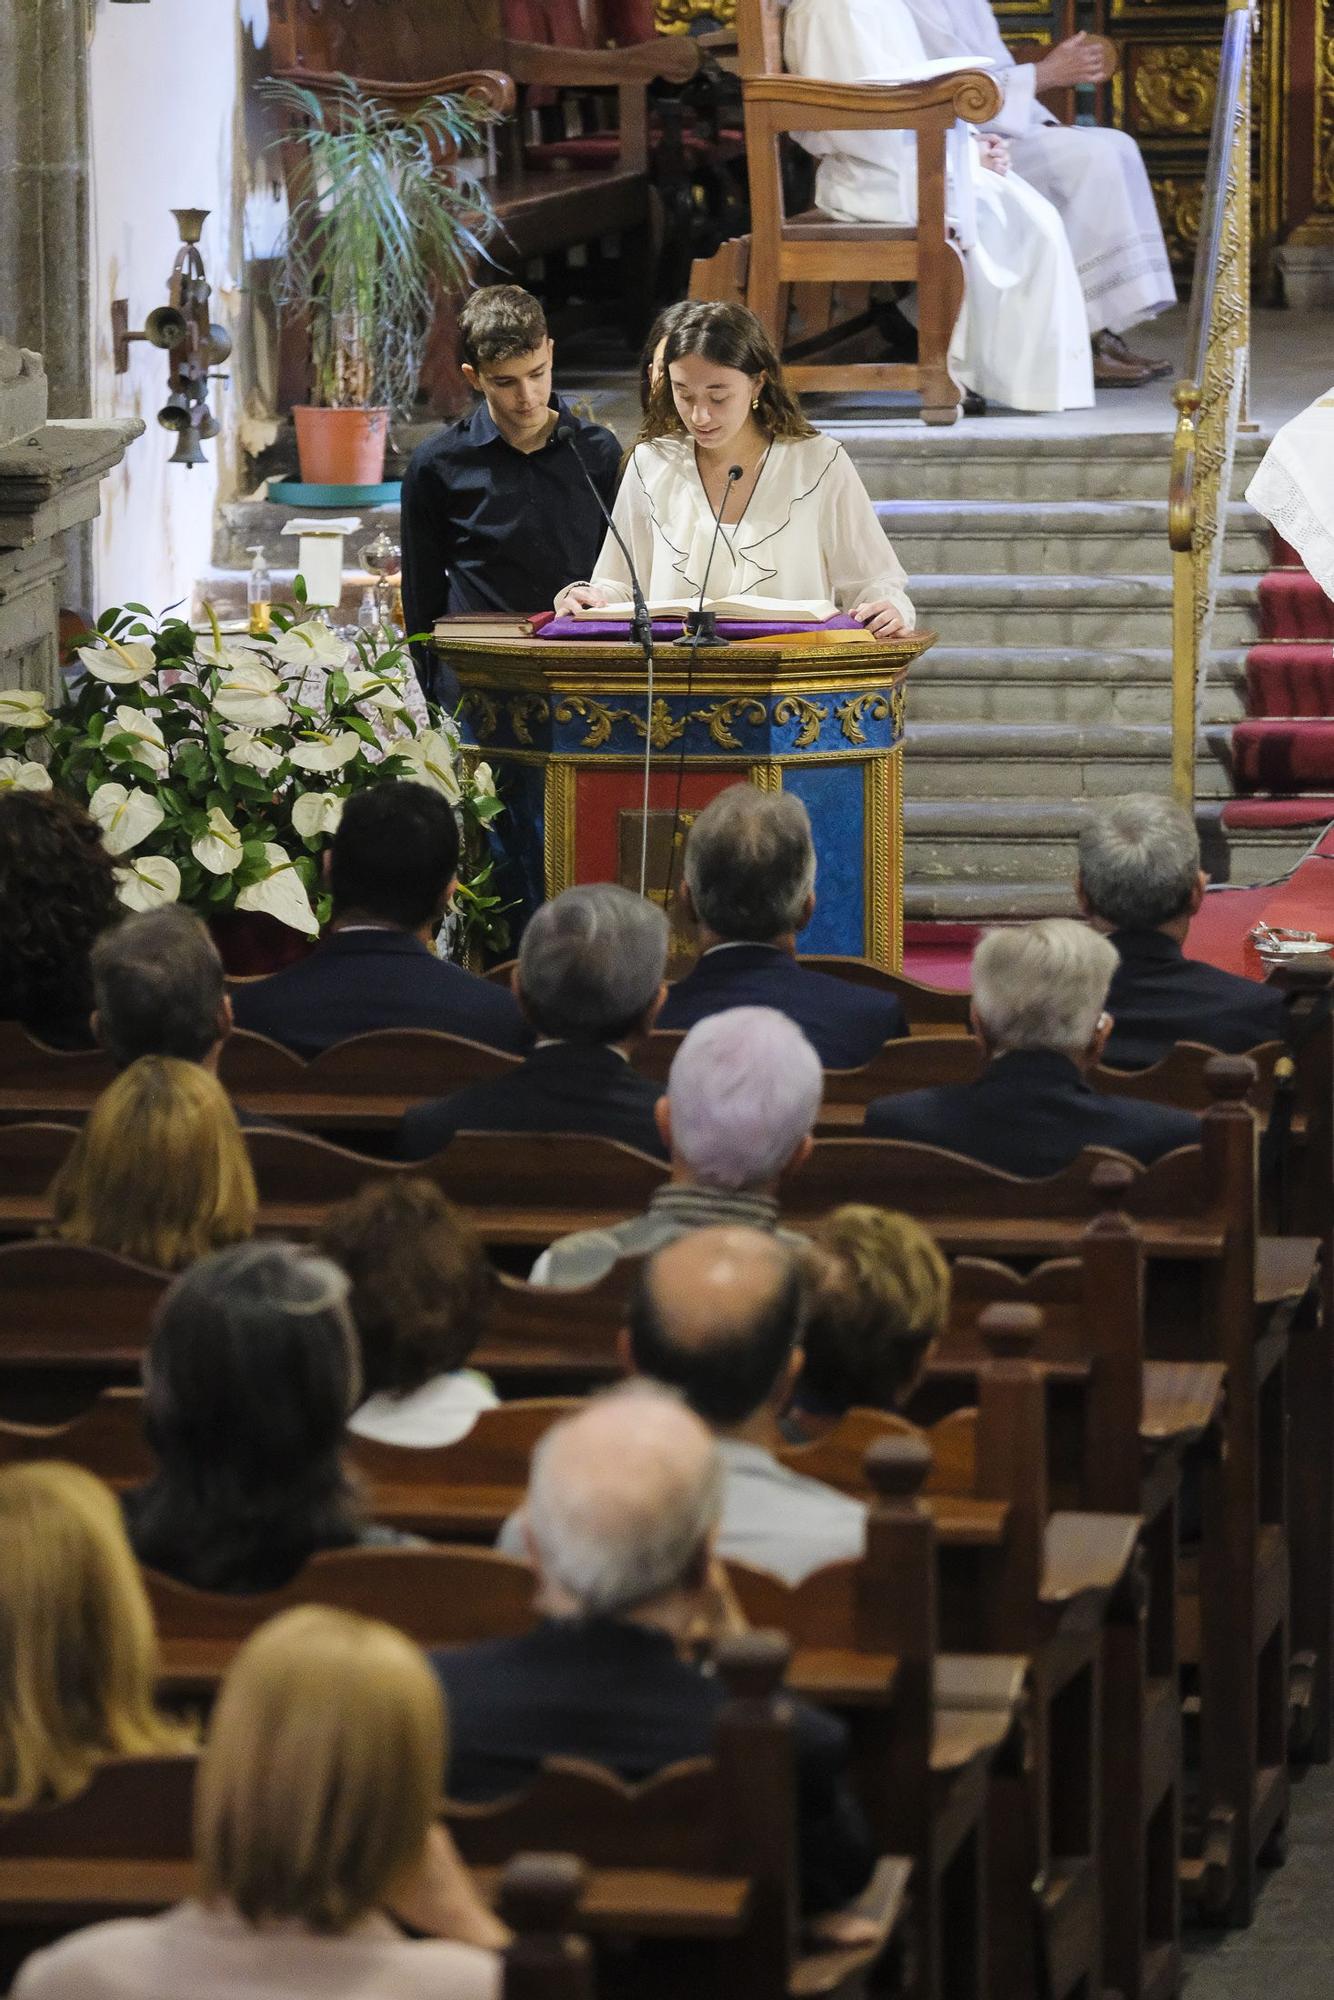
1021,338
1294,487
1093,177
442,1411
809,531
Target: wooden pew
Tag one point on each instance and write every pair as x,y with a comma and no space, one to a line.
1209,1274
123,1847
72,1322
363,1084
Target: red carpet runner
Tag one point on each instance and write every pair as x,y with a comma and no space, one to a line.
1283,754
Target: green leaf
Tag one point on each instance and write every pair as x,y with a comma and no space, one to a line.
299,588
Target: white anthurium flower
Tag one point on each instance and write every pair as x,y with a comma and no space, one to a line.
23,708
251,693
244,747
484,782
281,894
218,850
150,745
125,816
310,644
148,883
20,775
315,813
122,663
431,755
381,691
326,753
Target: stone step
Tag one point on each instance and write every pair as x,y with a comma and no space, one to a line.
1053,761
1072,610
965,463
986,902
1063,684
1091,538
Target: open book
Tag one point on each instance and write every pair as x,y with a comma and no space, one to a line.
749,610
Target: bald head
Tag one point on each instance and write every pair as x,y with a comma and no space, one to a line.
623,1500
717,1315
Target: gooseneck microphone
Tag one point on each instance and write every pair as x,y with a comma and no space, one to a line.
641,627
701,626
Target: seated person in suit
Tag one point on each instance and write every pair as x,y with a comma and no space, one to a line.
742,1097
621,1525
589,981
316,1842
1039,1001
158,990
750,887
1140,880
421,1289
57,893
393,865
252,1373
877,1297
718,1315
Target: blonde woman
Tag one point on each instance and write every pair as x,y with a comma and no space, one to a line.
878,1296
314,1830
160,1171
78,1654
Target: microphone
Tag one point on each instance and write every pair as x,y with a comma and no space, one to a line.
641,626
701,626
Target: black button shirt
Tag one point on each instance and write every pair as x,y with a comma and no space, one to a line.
489,528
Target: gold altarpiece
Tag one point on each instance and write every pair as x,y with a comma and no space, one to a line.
1163,95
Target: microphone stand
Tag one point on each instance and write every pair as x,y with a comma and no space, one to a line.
701,626
641,627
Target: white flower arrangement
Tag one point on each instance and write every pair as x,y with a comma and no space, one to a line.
217,769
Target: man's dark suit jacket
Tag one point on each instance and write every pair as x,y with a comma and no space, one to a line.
845,1024
359,980
1158,996
1030,1112
561,1087
617,1694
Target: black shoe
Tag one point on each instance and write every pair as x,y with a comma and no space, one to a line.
896,330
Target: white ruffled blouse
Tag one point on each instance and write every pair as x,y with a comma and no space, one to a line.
810,530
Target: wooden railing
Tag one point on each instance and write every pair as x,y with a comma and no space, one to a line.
1210,399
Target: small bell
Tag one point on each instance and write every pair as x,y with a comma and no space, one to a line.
187,450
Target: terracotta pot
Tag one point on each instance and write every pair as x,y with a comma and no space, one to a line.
341,447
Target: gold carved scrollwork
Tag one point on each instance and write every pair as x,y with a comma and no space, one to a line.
807,714
1174,87
898,704
663,728
851,712
526,711
719,718
484,712
1324,107
675,17
1179,204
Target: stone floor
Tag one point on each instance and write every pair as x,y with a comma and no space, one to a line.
1288,1952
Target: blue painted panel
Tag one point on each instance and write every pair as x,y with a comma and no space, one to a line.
832,795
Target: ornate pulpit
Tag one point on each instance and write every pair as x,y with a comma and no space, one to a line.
563,725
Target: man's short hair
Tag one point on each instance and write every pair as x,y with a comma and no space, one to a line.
745,1088
157,987
1042,985
623,1498
750,864
730,1374
591,962
395,853
498,322
1139,860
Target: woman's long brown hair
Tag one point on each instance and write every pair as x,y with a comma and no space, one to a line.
731,336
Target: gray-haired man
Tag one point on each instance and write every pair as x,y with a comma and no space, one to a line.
589,980
1140,880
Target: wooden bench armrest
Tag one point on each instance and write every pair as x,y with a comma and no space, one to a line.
669,58
833,1968
975,1681
1181,1400
1285,1268
1087,1552
970,94
493,86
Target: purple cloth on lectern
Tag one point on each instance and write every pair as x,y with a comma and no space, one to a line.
666,629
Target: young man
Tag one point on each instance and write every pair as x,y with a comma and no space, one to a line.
497,512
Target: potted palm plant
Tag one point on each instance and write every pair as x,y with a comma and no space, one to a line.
384,219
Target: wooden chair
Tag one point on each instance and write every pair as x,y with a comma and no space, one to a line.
41,1082
812,249
72,1321
926,1728
461,1492
1042,1585
363,1084
700,1860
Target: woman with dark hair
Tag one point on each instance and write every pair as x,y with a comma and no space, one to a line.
251,1375
655,346
57,894
421,1286
723,437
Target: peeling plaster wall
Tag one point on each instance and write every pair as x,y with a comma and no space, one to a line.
173,123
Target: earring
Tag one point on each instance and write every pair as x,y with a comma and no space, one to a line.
754,402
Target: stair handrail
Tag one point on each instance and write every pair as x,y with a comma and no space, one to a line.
1210,398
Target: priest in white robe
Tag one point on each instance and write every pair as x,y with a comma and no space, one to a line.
1021,338
1094,177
